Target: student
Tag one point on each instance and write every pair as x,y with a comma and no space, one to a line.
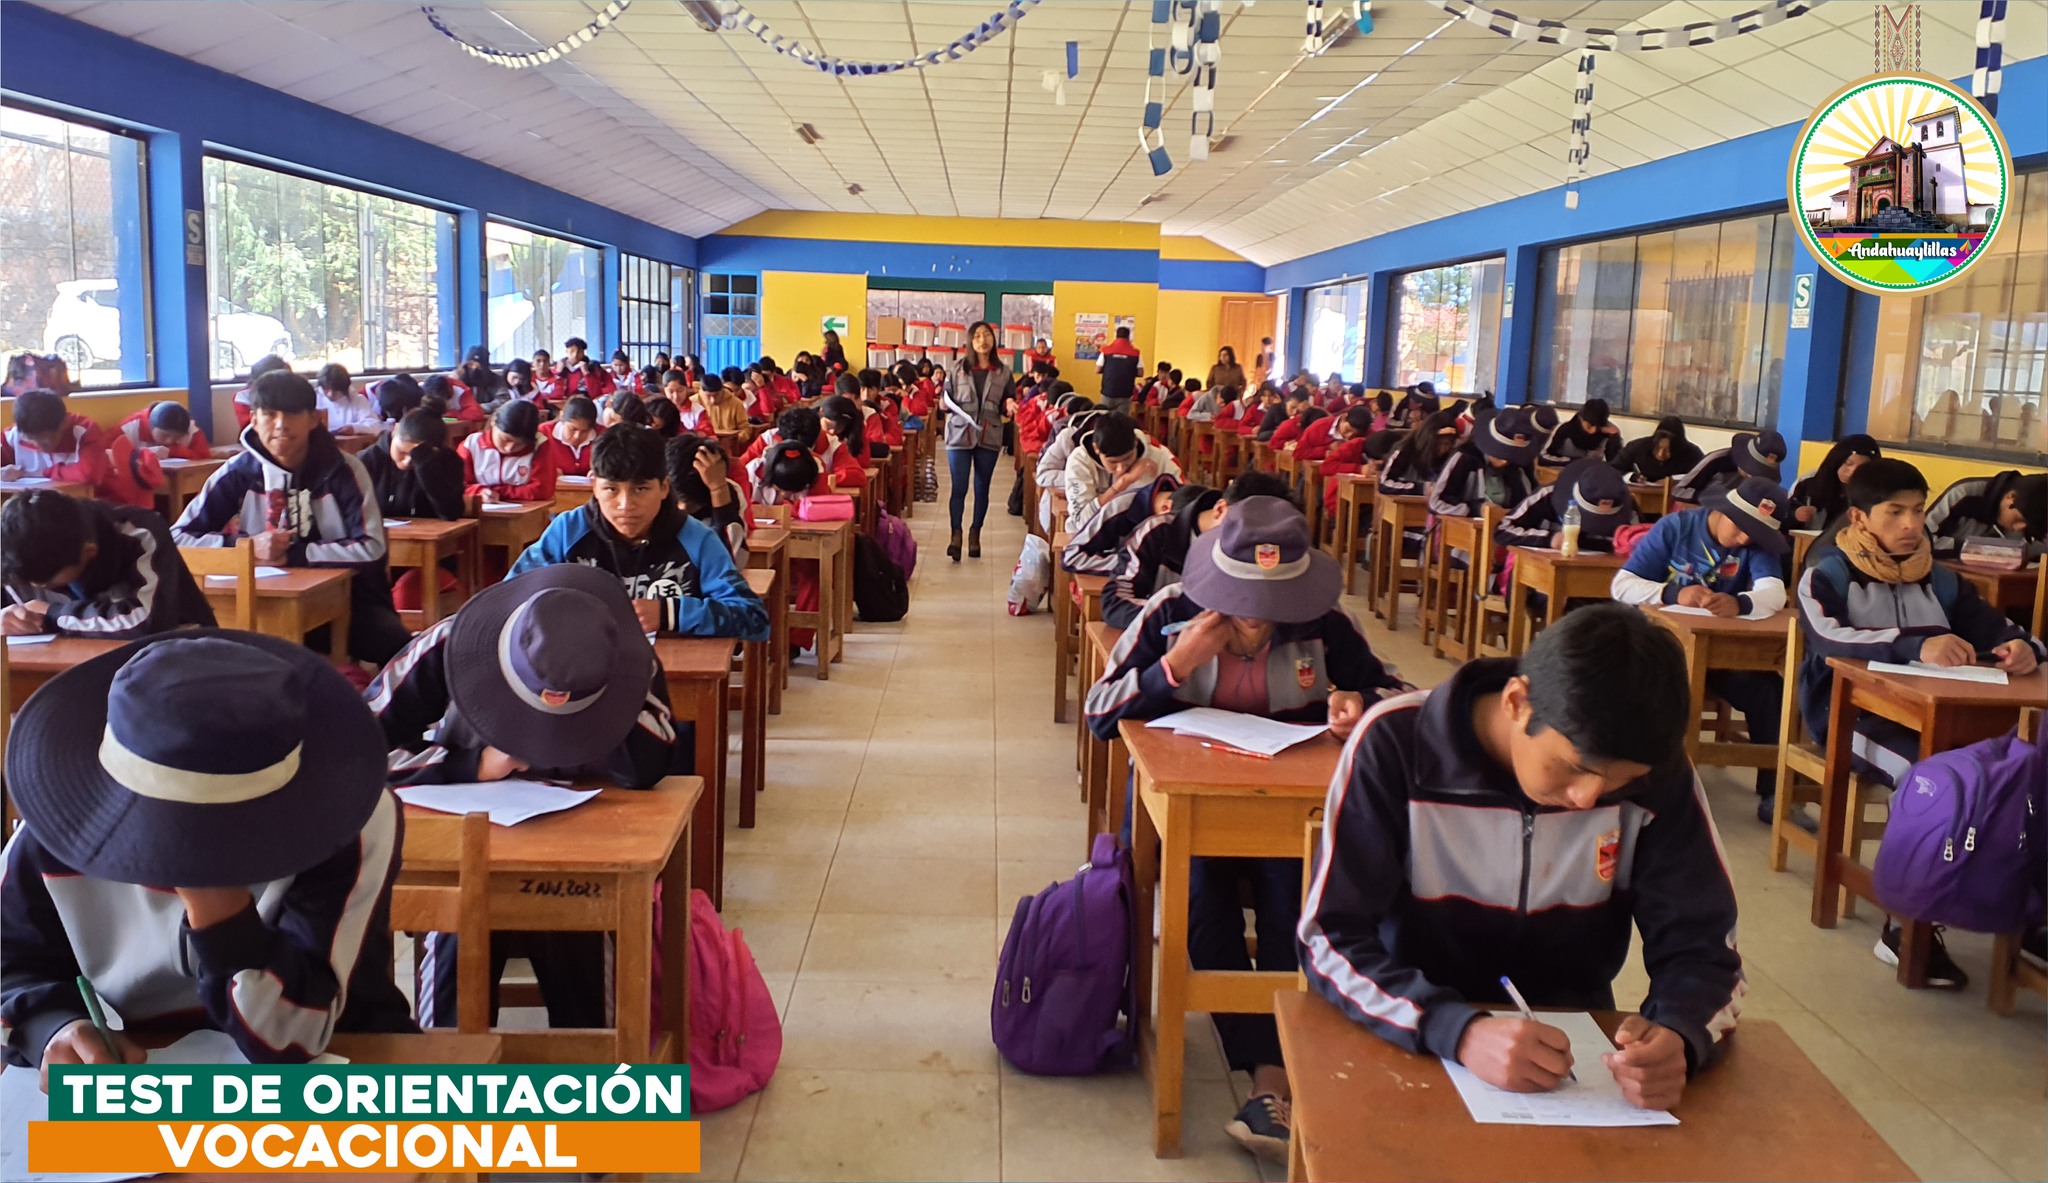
416,475
2006,505
881,421
567,440
306,503
1112,456
1098,548
1318,435
726,414
1348,455
346,411
622,376
1300,411
49,441
585,377
840,471
396,396
1257,629
166,429
1878,594
1727,557
1823,497
1413,466
1418,402
1589,432
846,428
678,573
90,569
1157,550
269,363
1604,502
207,837
549,676
456,401
547,383
1496,466
1749,453
475,372
1513,824
698,477
1200,405
833,354
1664,454
624,407
518,382
505,462
1268,413
665,418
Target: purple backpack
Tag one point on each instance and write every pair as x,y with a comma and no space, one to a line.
1065,973
894,535
1965,843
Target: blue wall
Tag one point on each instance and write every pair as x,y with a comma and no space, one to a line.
746,253
187,109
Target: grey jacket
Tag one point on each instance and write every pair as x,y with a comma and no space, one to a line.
974,407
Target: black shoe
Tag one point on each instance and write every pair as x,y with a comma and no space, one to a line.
1942,973
1766,811
1263,1127
974,544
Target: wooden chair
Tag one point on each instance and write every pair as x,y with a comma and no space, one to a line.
2041,602
1802,768
427,897
237,562
2009,970
780,514
1488,605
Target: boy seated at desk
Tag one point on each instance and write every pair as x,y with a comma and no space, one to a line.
416,476
1253,626
1749,453
306,503
547,675
676,570
50,442
1726,557
166,430
1154,554
90,569
698,476
1879,595
1601,495
2005,506
206,836
1511,825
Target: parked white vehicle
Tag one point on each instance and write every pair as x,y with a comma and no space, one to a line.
84,329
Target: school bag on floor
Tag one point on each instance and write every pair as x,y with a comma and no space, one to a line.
30,371
1964,844
879,591
894,535
1032,576
735,1036
1064,977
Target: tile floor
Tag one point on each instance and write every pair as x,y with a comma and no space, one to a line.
916,795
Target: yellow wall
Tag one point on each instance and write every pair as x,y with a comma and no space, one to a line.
1137,300
1042,232
1176,246
107,410
794,304
1940,471
1189,324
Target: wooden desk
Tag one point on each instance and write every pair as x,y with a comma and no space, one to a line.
1105,764
428,1047
1948,715
1356,492
353,442
182,481
1088,610
831,545
1193,800
1652,501
421,544
595,868
68,488
1393,517
756,672
699,674
1063,630
1584,576
2011,592
571,494
294,604
509,530
1312,498
1802,541
29,666
1455,534
1732,643
1365,1111
768,550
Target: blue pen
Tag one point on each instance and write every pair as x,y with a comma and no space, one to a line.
1171,629
1522,1004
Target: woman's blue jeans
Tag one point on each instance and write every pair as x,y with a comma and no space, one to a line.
982,462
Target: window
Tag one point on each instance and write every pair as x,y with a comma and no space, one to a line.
1964,367
76,280
1447,326
732,305
1688,322
683,312
961,308
317,273
646,308
1028,308
1334,335
538,291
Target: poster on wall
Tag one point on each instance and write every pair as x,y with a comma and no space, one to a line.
1091,333
1127,322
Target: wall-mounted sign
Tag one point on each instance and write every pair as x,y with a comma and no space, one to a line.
195,238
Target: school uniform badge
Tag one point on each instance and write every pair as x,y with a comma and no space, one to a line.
1305,673
1607,855
554,698
1267,555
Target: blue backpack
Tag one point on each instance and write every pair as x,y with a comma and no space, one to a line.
1967,840
1065,973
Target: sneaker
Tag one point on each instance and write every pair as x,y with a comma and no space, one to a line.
1262,1127
1766,809
1942,973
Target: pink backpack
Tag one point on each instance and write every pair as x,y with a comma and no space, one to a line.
735,1034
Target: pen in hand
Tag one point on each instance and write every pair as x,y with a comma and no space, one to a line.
98,1015
1522,1004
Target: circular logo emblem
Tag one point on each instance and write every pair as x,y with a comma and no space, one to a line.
554,698
1898,183
1267,555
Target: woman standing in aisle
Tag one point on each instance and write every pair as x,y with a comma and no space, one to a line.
1226,371
975,393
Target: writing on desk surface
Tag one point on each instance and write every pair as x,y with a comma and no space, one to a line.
563,888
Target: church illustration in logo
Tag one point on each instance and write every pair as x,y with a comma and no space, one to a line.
1923,180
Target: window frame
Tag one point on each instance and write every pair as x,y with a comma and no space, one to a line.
656,311
1343,288
1390,322
593,313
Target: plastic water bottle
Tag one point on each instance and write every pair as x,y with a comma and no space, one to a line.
1568,537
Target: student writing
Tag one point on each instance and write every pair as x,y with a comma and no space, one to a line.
91,569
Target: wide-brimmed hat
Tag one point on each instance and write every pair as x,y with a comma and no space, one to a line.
198,758
1752,452
1259,564
552,667
1587,483
1758,507
1543,417
1506,435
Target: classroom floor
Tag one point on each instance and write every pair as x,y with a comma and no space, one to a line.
916,795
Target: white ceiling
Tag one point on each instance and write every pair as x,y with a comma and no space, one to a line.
692,130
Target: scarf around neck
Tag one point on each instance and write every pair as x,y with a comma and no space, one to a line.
1867,555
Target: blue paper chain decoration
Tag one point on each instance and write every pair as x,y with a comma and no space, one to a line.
538,57
1989,75
735,15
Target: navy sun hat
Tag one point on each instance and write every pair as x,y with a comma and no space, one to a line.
1752,452
197,758
1259,564
1758,507
1543,417
552,667
1587,482
1506,435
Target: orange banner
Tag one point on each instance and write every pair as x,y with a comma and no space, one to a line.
364,1147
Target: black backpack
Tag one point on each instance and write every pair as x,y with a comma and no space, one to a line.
879,591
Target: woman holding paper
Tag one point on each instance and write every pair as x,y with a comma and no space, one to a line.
1254,626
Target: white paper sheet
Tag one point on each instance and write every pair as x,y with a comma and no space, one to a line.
1594,1099
1955,673
1250,733
509,802
507,506
22,1101
261,573
574,482
30,480
32,639
390,522
173,462
1684,610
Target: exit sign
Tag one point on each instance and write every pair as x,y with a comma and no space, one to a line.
832,324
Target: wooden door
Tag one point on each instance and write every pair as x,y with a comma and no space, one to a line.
1244,320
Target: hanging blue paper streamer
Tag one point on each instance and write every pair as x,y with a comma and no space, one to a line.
1073,59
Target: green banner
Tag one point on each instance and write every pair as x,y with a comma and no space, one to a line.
370,1092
